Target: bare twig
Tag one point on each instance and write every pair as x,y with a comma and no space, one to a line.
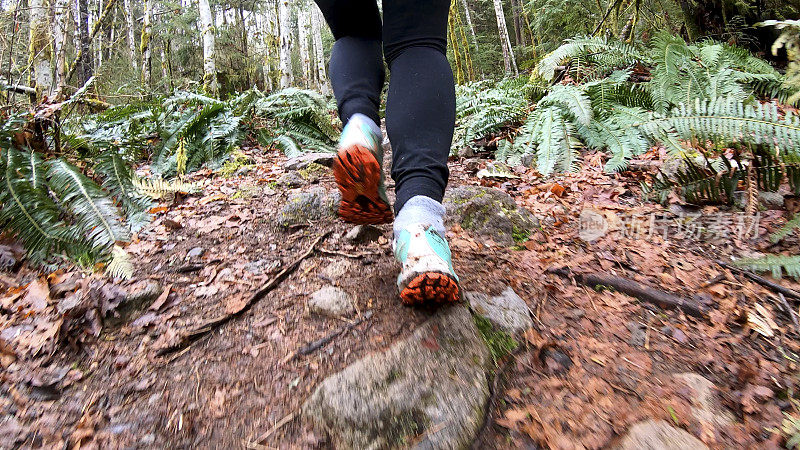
289,417
313,346
762,281
212,324
634,289
326,251
790,312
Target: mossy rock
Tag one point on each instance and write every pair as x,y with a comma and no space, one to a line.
401,397
310,206
489,213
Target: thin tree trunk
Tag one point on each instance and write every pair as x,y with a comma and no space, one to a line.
284,17
302,36
85,64
245,50
41,77
519,35
319,56
508,53
131,33
60,24
209,52
469,24
144,45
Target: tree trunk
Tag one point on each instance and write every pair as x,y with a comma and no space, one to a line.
284,17
144,46
245,51
41,75
131,33
209,52
319,54
516,10
85,64
60,26
302,36
508,53
469,24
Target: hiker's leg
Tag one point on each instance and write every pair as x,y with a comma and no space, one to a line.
420,116
420,108
356,66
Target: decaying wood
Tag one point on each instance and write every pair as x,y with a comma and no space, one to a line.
634,289
762,281
212,324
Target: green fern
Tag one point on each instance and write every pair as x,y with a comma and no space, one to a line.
118,179
786,230
606,54
777,265
94,212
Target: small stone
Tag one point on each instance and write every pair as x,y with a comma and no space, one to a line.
506,311
363,234
290,180
472,165
302,161
771,200
402,396
337,269
331,301
305,207
195,252
638,333
658,435
575,314
706,406
528,160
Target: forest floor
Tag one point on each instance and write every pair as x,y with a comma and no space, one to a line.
88,363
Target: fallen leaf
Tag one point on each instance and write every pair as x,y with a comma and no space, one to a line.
159,302
38,294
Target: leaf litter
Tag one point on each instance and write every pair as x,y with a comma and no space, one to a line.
79,352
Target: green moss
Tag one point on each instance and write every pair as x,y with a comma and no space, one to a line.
312,171
519,235
500,343
234,163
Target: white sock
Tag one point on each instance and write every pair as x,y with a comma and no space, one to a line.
421,209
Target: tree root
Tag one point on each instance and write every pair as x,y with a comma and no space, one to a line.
212,324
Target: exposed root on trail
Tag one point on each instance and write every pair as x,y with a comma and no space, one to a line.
212,324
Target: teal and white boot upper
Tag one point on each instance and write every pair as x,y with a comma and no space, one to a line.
427,274
361,132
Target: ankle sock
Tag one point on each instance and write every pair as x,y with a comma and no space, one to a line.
421,209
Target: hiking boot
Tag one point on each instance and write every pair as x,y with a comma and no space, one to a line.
427,276
358,168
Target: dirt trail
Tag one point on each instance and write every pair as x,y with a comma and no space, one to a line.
595,363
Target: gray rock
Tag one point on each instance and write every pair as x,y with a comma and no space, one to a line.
506,311
302,161
312,205
638,333
490,213
290,180
337,269
771,200
658,435
195,252
705,404
429,390
331,301
528,160
362,234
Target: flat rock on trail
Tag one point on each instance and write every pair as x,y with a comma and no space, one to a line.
91,373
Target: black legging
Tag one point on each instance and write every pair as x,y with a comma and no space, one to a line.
420,107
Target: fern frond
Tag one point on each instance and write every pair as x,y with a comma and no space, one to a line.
96,216
120,265
157,188
29,211
776,264
118,178
786,230
609,54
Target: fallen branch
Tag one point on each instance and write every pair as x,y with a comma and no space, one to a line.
762,281
257,443
212,324
311,347
634,289
328,252
18,88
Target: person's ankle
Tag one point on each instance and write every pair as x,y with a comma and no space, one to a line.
421,210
